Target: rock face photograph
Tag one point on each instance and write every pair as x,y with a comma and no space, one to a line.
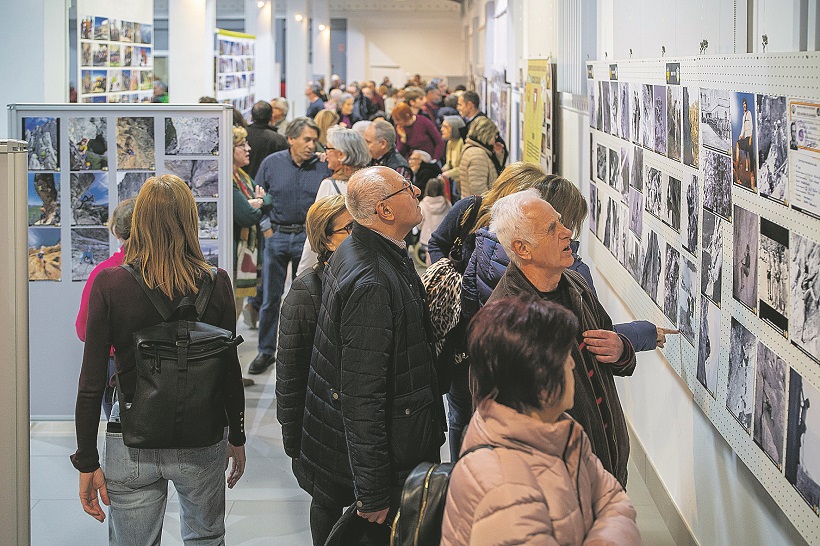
89,246
201,175
130,183
191,136
88,143
43,137
803,440
89,199
740,381
770,403
44,199
208,228
804,282
44,254
135,144
210,250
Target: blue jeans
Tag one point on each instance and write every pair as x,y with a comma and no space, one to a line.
460,404
137,483
281,249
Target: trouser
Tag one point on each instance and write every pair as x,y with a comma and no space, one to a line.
281,249
460,405
137,484
322,520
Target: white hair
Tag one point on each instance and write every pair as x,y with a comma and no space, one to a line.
335,94
364,191
427,158
508,221
361,126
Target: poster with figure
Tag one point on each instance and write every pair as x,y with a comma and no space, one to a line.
671,202
89,199
744,253
691,127
636,175
614,109
711,269
592,94
43,137
614,168
593,208
687,299
773,148
43,199
635,113
534,110
715,124
671,278
624,173
717,183
689,222
773,275
653,195
648,117
802,468
623,110
635,211
651,272
708,345
634,256
660,119
210,250
88,143
770,403
804,285
89,247
44,254
208,228
674,132
135,143
740,381
600,163
744,139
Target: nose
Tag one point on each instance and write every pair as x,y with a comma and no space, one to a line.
416,191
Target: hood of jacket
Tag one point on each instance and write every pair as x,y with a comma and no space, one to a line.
470,143
437,204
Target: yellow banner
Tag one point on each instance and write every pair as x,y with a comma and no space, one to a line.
535,88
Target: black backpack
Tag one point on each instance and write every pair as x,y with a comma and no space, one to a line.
180,367
421,510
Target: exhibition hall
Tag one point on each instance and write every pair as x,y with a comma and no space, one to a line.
423,272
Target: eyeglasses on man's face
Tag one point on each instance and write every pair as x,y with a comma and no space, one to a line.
347,228
406,186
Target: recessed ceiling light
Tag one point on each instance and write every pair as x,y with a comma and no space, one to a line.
298,17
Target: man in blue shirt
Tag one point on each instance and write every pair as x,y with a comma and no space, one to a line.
292,178
316,103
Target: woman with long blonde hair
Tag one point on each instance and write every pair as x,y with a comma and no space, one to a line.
164,253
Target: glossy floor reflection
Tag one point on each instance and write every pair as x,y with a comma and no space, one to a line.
266,507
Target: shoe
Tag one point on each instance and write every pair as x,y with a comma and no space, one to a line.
250,315
248,382
261,363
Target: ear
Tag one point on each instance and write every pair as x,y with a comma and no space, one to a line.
385,212
522,249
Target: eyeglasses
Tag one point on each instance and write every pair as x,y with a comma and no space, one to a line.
346,228
241,144
329,147
405,186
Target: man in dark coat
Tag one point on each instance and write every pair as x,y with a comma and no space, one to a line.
531,233
262,137
373,409
380,137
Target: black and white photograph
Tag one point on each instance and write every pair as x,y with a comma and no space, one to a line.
634,256
625,171
772,148
89,199
803,440
648,117
689,222
740,381
635,113
635,211
715,121
623,109
610,225
636,176
671,278
88,143
135,143
89,246
600,161
210,250
711,269
201,175
708,345
671,202
673,122
606,108
614,109
804,285
592,93
599,113
623,231
593,208
614,168
192,136
660,119
687,299
770,404
43,199
773,275
744,252
744,137
651,274
691,126
129,183
208,228
43,138
653,202
717,183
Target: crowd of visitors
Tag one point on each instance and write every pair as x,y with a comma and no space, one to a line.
342,198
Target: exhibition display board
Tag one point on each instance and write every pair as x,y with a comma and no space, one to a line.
82,161
705,205
235,64
538,116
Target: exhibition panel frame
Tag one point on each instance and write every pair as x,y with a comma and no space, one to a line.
82,161
705,205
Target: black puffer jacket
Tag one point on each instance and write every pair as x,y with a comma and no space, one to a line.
297,327
373,410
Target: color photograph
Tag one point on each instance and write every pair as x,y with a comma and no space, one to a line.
99,54
717,183
744,160
671,278
803,440
804,283
689,222
101,31
773,147
673,122
88,143
715,123
130,183
89,246
740,381
43,138
191,136
691,127
773,275
711,269
87,28
208,228
687,300
135,143
44,254
86,58
210,249
744,252
89,199
44,199
115,56
708,346
770,404
201,175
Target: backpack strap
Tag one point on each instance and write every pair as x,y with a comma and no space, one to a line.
205,294
159,305
335,187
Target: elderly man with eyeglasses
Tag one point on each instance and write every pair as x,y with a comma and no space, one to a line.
373,409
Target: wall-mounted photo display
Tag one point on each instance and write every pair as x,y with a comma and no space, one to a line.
708,345
42,136
208,220
129,183
671,279
43,199
717,183
89,247
773,275
135,143
803,440
653,192
624,114
711,267
601,163
744,158
674,114
234,77
691,127
687,307
773,147
593,208
715,121
651,273
670,194
804,283
690,220
88,143
44,254
210,251
740,380
770,403
804,144
636,173
661,134
201,175
744,252
89,199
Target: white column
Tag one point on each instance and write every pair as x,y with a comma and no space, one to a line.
191,28
321,39
296,49
260,23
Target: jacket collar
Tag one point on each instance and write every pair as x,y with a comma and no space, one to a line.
371,239
517,283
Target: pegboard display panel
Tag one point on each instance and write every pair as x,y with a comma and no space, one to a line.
751,292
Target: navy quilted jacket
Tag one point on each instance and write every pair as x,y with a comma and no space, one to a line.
487,265
373,409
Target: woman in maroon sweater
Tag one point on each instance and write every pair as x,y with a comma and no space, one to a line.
164,245
416,133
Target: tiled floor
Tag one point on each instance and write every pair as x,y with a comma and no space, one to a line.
266,507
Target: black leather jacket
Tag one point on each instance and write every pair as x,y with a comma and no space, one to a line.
373,409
